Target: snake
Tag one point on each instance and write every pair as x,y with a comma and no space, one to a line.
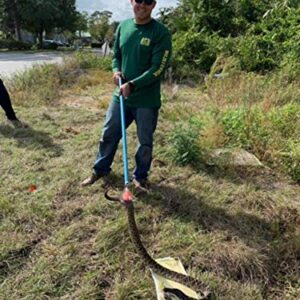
189,281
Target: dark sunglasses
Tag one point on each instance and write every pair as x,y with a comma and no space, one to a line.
147,2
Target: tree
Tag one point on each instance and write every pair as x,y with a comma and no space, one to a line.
67,17
110,32
10,17
99,24
2,15
46,15
81,23
40,16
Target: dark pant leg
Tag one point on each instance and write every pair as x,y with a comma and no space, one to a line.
6,103
146,121
111,135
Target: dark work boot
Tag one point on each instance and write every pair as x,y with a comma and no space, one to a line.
92,179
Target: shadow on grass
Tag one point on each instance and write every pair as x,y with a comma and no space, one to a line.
278,254
178,202
189,208
12,261
31,138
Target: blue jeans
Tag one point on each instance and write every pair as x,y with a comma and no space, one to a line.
145,119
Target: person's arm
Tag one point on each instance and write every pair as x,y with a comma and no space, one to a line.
117,58
160,57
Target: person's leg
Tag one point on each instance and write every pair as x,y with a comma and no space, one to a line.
146,121
110,137
6,103
111,134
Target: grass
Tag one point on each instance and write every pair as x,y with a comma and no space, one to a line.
240,234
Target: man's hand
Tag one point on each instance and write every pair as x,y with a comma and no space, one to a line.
125,90
116,77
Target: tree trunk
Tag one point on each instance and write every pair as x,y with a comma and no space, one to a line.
40,37
18,32
14,14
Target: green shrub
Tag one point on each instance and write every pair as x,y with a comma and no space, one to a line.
286,120
249,127
257,53
290,159
14,45
185,142
236,127
290,66
191,51
259,34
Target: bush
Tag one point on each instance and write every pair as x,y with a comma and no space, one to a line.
192,51
285,120
14,45
257,54
259,34
233,122
185,143
290,66
290,159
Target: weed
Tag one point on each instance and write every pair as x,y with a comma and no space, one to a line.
184,140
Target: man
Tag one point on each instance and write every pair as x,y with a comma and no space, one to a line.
142,50
9,111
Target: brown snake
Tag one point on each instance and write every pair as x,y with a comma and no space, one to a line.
190,282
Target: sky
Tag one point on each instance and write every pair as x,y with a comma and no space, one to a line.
121,9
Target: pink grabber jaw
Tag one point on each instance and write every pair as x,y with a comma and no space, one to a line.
127,195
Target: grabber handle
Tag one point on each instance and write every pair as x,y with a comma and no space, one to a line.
124,139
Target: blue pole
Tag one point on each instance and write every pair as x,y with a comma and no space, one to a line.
124,140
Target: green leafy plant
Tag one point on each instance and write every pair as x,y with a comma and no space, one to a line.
185,142
290,159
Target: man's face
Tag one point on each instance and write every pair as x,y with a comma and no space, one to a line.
142,11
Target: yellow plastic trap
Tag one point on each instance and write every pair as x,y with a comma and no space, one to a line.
161,282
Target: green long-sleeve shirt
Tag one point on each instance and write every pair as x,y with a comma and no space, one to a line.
141,53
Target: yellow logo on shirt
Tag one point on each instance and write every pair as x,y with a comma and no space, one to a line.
145,41
163,64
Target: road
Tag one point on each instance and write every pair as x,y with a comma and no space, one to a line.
12,62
